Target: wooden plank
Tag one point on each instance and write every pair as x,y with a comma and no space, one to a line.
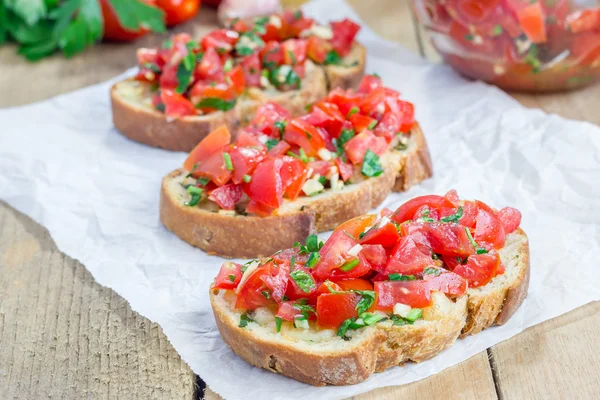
66,337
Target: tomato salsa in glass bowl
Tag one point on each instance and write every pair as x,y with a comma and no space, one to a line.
524,45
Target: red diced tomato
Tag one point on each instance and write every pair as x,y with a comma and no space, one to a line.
236,79
286,311
412,293
252,70
407,258
369,83
203,90
212,143
213,168
279,149
407,211
346,170
259,209
488,226
447,282
277,280
357,146
584,20
345,100
292,23
386,235
176,105
210,67
266,186
362,122
388,127
294,51
479,269
376,256
317,49
250,295
226,196
266,116
301,133
244,160
344,33
293,176
222,40
373,104
533,21
272,54
442,238
335,308
229,276
511,219
294,291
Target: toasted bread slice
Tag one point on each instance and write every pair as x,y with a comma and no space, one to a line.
496,302
233,235
320,357
136,118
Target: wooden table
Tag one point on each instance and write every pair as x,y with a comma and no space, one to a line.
64,336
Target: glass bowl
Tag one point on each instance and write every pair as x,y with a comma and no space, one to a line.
524,45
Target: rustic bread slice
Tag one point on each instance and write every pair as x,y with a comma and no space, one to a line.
313,88
496,302
320,357
135,117
234,235
350,71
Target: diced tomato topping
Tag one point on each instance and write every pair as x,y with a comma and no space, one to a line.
357,147
386,235
293,176
346,170
272,54
226,196
266,186
470,211
317,49
213,168
250,292
344,33
210,67
533,21
479,269
301,133
488,226
511,219
212,143
281,148
236,78
202,90
229,276
294,291
294,51
266,116
335,308
442,238
584,20
446,282
176,105
244,161
375,255
412,293
252,69
407,258
369,83
277,280
221,40
286,311
259,209
407,211
292,23
362,122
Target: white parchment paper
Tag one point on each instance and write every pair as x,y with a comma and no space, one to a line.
63,164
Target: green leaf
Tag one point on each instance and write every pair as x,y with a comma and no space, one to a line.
344,328
185,71
400,277
92,15
414,315
271,143
304,280
313,259
38,51
304,309
278,322
216,103
312,243
25,34
73,39
454,217
332,58
30,11
371,166
3,22
281,126
244,319
366,300
134,14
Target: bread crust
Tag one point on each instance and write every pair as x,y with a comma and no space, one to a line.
251,236
146,125
415,167
349,74
374,350
496,302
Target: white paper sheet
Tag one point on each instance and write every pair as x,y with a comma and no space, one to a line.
63,164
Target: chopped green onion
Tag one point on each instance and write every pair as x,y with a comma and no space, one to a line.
454,217
468,231
400,277
352,111
228,65
414,314
373,124
431,271
481,250
247,178
371,319
196,194
228,163
350,265
278,321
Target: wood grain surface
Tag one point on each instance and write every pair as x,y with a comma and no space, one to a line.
64,336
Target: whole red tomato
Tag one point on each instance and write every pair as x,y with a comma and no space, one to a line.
178,11
113,29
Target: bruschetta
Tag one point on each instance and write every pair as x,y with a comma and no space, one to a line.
285,178
186,88
379,292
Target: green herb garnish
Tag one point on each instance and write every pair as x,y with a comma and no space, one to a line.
216,103
454,217
371,166
278,322
228,163
432,271
244,320
352,111
313,259
400,277
304,280
247,178
350,265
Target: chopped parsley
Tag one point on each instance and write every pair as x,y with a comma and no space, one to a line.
371,165
231,277
432,271
313,259
266,294
352,111
346,135
196,194
247,43
244,319
228,65
281,126
373,124
304,280
278,322
271,143
400,277
185,70
454,217
497,30
481,250
216,103
247,178
366,300
332,58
